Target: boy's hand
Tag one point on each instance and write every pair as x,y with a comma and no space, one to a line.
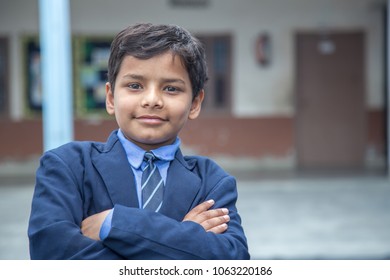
90,227
214,220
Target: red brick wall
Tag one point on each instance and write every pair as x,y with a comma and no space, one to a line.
240,137
377,130
272,136
20,139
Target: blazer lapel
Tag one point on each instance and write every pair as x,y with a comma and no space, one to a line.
182,186
111,162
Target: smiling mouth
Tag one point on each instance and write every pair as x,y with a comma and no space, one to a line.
150,119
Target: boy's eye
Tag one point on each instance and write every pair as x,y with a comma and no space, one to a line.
134,86
171,89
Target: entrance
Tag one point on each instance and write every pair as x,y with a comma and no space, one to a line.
330,100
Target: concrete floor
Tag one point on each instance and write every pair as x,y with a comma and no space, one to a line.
284,217
317,218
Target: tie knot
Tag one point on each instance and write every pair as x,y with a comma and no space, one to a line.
149,156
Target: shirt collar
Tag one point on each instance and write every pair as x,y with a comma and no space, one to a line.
135,154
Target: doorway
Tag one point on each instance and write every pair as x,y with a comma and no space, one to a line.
330,100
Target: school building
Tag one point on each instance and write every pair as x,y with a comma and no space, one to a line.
293,84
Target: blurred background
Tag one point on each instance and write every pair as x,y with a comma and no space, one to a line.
295,108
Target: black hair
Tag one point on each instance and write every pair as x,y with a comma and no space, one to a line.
147,40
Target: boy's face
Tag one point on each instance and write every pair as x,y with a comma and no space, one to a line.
152,99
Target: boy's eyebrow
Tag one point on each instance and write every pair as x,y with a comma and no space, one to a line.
180,81
133,76
164,80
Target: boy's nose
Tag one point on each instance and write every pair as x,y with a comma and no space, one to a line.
152,98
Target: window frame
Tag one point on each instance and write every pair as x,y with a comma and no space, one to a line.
4,77
210,43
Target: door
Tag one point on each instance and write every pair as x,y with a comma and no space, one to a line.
330,102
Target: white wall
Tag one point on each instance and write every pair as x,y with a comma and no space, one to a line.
257,91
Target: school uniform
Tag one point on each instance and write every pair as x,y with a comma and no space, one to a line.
80,179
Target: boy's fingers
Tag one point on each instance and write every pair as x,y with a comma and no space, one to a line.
214,213
219,229
212,223
214,220
207,215
204,206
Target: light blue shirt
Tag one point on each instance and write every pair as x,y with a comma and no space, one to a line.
135,157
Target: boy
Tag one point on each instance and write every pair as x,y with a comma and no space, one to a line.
136,196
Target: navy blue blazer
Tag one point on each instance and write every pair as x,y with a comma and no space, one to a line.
80,179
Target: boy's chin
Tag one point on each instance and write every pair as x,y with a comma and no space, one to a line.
152,144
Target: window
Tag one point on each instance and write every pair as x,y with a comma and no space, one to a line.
3,76
219,60
91,55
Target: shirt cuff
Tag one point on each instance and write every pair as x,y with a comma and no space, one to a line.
106,226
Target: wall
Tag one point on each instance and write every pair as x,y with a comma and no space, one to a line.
257,91
263,93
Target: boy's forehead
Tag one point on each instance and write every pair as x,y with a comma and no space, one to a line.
164,59
165,65
168,54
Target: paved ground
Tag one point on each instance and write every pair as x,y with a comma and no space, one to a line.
285,217
317,218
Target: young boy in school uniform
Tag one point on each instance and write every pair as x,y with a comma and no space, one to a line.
136,196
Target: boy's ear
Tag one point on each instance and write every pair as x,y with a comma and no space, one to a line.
109,100
196,106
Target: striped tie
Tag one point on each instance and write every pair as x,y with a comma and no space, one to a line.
152,185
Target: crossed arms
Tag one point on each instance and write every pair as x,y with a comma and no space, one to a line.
212,220
69,207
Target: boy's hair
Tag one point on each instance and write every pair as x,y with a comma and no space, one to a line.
144,41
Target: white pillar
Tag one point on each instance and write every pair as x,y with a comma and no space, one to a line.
55,42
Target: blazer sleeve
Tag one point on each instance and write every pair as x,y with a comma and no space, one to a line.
56,215
142,234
